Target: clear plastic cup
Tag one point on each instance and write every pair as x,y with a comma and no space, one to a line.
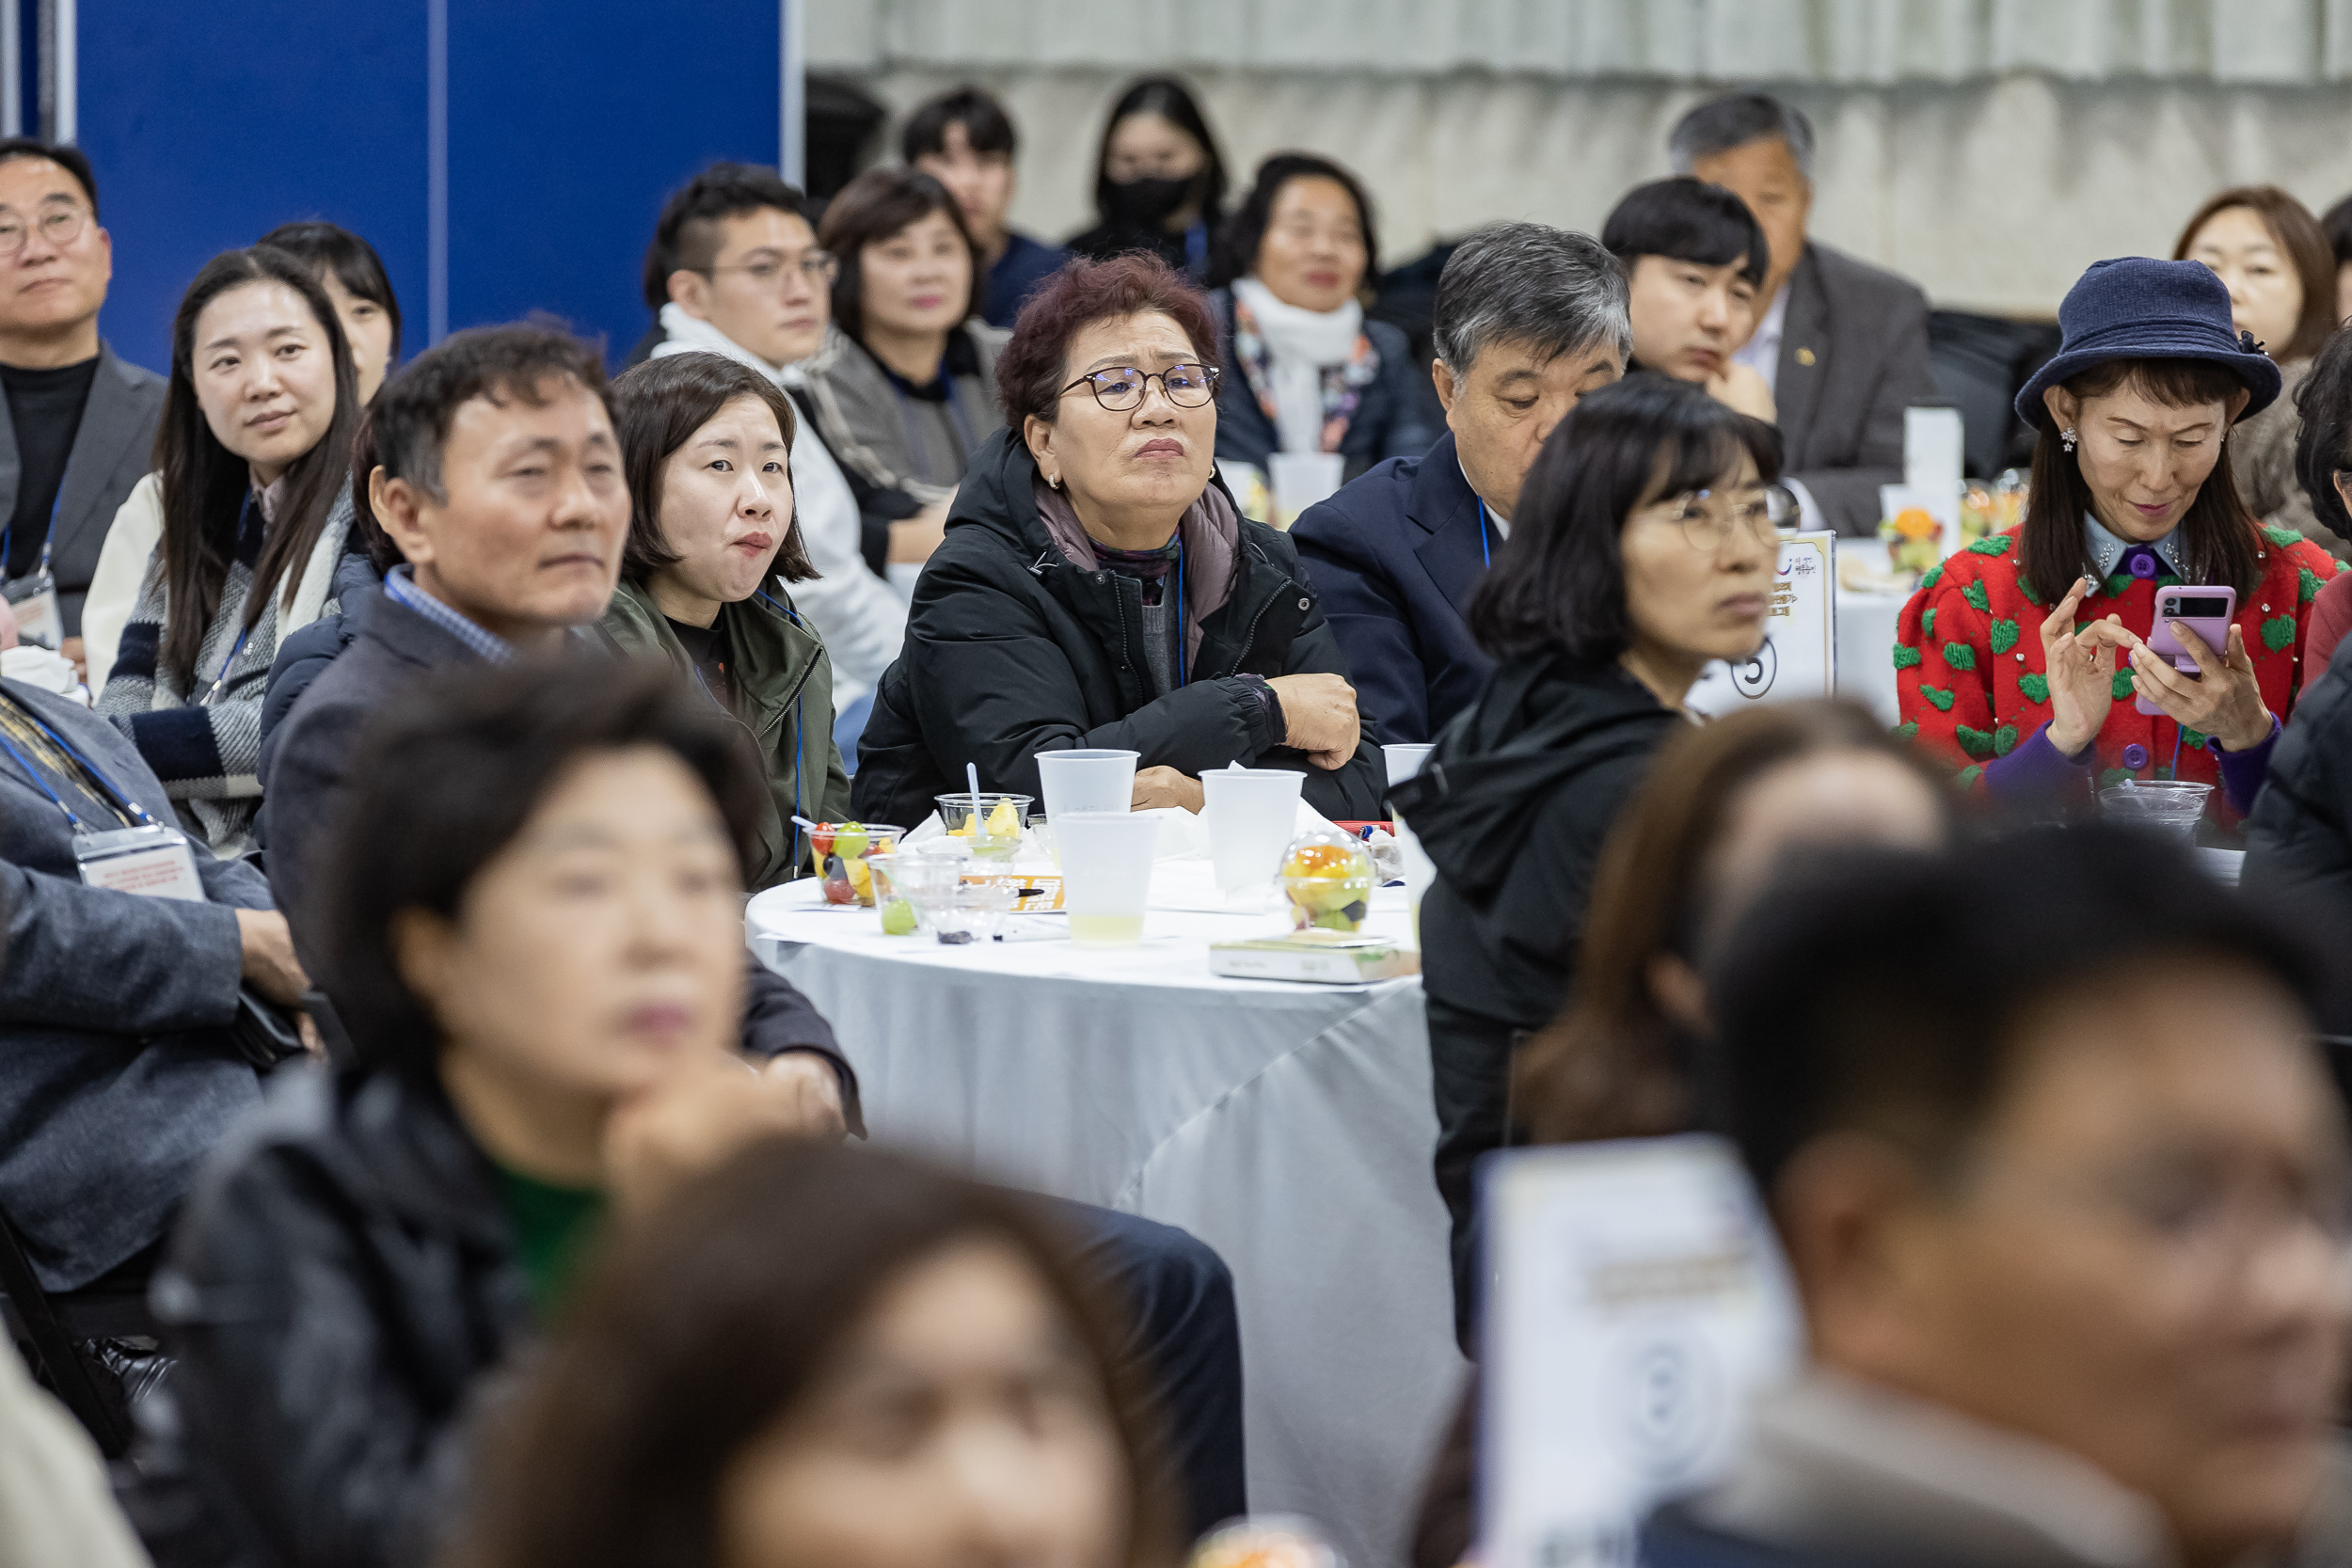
994,824
1252,816
1404,758
1106,875
1087,781
838,853
2170,806
909,890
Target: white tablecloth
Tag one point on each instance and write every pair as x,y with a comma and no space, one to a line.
1865,638
1288,1126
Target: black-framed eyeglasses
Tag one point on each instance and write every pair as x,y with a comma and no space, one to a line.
60,226
1707,520
1121,389
817,266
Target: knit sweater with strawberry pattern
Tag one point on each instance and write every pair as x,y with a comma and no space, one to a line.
1972,684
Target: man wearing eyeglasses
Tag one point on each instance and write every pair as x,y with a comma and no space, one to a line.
79,423
734,270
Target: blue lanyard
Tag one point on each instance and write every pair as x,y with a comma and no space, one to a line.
1182,636
1485,545
46,539
212,694
1197,250
107,786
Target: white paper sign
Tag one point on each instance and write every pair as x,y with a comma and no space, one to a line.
1800,654
1636,1298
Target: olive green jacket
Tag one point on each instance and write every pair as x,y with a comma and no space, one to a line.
782,693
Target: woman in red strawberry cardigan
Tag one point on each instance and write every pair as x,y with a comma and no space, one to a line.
2019,659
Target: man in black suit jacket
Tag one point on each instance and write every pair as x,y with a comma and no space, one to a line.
1528,319
1842,343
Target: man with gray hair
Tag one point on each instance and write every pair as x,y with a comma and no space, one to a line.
1842,344
1527,320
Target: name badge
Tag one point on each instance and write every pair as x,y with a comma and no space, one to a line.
34,597
153,862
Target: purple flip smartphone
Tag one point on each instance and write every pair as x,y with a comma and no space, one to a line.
2207,612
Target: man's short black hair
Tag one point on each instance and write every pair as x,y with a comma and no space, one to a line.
685,237
1882,991
71,159
447,776
410,420
1687,220
986,126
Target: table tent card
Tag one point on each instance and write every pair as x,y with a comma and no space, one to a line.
1800,654
1635,1298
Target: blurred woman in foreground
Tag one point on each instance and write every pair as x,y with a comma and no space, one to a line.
920,1377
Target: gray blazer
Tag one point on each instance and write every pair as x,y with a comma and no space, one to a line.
116,1084
113,449
1854,356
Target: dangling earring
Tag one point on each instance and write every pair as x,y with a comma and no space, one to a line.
2066,438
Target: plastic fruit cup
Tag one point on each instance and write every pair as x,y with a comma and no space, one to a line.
995,828
1327,877
911,889
838,853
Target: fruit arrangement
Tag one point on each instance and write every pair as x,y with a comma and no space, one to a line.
992,824
837,851
1912,542
1328,880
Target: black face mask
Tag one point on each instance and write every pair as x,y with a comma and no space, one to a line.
1145,203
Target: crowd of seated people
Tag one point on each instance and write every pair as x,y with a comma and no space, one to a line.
492,1200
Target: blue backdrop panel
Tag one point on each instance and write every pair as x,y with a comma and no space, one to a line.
568,121
210,124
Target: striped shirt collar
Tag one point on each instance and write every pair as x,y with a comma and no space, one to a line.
399,586
2108,551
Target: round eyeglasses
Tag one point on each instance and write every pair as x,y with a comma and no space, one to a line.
1121,389
817,266
59,226
1707,520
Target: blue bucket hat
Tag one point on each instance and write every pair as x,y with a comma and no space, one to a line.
2137,307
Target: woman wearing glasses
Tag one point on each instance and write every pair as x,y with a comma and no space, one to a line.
905,386
1642,549
1098,588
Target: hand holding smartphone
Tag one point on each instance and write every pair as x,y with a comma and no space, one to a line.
2207,612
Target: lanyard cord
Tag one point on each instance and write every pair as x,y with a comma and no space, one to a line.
46,539
1182,635
106,787
1485,545
220,681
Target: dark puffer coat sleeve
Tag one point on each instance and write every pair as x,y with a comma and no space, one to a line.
2299,838
992,685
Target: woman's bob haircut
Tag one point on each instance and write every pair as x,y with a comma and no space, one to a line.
657,409
448,777
1558,583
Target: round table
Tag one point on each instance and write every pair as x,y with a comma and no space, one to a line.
1288,1126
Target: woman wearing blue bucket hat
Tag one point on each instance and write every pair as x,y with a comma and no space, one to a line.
2018,661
